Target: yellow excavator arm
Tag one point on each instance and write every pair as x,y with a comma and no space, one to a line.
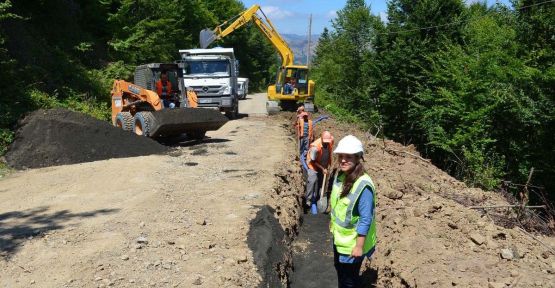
262,23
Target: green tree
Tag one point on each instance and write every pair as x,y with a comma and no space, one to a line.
471,86
344,61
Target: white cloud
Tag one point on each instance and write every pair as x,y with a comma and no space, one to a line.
470,2
274,12
383,17
332,14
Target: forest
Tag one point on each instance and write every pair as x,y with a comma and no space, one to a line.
471,86
66,53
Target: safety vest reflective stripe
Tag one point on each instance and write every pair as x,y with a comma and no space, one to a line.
352,200
343,222
301,129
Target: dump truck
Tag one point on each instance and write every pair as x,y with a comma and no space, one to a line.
138,108
292,81
243,87
212,75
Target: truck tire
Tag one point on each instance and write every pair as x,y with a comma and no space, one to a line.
124,120
233,113
143,123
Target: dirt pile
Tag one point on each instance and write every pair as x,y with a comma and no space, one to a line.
427,235
58,136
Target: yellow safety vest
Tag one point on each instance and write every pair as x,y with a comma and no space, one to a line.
343,222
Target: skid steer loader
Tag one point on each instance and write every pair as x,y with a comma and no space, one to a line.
138,108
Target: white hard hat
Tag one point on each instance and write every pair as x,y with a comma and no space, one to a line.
349,145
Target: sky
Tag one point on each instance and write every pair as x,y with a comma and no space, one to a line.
291,16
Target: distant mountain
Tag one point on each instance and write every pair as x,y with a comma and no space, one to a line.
299,45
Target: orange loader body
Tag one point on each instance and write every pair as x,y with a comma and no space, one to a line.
142,111
126,96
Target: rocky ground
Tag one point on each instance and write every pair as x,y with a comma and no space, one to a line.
226,213
179,219
428,237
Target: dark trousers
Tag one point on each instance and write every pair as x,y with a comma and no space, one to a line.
303,146
347,273
314,181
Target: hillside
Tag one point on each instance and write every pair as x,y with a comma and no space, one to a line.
299,45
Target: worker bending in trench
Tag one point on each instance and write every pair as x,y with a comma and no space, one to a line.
318,160
353,221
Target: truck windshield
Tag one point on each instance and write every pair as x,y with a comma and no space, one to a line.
208,68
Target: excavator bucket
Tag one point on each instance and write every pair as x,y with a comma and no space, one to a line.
168,122
207,36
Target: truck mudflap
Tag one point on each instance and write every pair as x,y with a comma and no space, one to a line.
170,122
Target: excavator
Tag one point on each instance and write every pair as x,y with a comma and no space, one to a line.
137,108
292,81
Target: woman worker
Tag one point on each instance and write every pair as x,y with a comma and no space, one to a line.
353,203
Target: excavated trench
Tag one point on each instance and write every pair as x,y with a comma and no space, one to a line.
425,238
291,247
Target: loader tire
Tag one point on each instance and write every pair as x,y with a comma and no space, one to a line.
124,120
143,123
197,135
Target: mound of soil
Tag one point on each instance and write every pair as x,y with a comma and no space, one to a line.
427,234
59,136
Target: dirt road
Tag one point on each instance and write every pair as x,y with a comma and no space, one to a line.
174,220
205,215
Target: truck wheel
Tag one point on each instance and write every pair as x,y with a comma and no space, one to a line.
233,114
143,123
197,135
124,120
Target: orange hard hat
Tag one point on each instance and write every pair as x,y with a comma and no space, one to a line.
326,137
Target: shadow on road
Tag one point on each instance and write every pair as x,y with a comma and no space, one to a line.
17,226
241,116
184,141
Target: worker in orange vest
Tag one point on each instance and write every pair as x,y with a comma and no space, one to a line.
318,159
164,89
297,117
304,132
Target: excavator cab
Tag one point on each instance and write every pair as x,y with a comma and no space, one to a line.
292,81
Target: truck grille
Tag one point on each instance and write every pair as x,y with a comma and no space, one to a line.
207,91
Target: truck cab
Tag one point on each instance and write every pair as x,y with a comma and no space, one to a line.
212,74
243,87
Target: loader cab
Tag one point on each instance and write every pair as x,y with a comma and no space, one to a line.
292,77
147,75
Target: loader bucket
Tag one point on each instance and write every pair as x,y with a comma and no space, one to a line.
207,36
170,122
